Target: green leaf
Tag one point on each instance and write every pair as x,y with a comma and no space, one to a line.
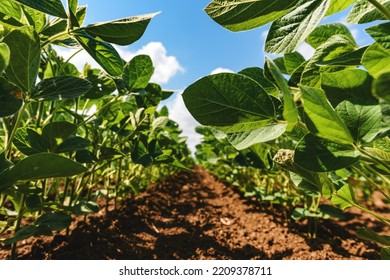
41,166
85,207
102,52
245,139
326,123
51,7
385,253
28,231
72,144
336,46
381,86
338,6
369,234
364,11
122,31
239,15
35,18
29,142
292,61
25,57
288,32
72,9
55,221
376,60
352,58
257,74
55,133
363,121
290,112
11,9
347,84
60,88
229,100
381,34
33,202
102,84
10,98
321,155
345,197
323,32
137,72
4,57
140,154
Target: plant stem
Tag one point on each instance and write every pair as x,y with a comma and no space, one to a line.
8,148
381,8
17,225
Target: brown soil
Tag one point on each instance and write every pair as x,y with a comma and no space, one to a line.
194,216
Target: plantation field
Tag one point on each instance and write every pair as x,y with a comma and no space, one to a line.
196,216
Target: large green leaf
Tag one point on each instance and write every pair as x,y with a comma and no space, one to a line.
257,74
363,121
345,197
55,133
29,142
338,6
55,221
51,7
231,102
288,32
25,57
41,166
325,121
336,46
369,234
292,61
60,88
376,60
10,98
11,13
321,155
239,15
4,57
28,231
364,11
381,34
122,31
290,112
347,59
323,32
245,139
347,84
102,84
381,86
102,52
137,72
35,18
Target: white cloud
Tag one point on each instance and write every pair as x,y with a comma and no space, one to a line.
221,70
166,66
179,113
306,50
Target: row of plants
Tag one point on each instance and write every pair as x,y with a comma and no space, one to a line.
70,138
324,121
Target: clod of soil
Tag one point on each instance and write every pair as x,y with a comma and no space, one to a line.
194,216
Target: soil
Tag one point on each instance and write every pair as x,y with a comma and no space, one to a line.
196,216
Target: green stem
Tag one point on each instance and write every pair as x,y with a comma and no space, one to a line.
52,38
8,148
381,8
375,185
373,158
17,225
379,217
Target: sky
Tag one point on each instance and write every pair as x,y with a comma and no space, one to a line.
185,44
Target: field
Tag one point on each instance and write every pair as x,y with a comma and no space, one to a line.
195,216
294,160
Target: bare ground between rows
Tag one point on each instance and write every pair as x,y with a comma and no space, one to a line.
195,216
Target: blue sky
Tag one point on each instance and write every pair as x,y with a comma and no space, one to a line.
185,44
